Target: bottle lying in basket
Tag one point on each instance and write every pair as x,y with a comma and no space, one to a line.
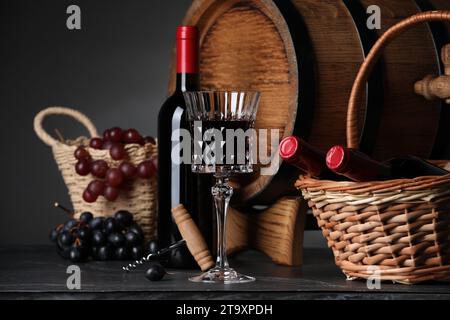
357,166
310,160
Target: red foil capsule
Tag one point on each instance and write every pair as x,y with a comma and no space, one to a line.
187,49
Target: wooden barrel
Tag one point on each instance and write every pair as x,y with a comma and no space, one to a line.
303,55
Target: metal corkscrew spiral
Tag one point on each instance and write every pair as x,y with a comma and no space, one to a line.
137,263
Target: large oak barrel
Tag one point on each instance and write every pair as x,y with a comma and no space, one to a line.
303,55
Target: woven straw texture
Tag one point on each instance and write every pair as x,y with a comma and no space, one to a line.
400,226
395,230
138,196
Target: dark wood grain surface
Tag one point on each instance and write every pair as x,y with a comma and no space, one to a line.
37,272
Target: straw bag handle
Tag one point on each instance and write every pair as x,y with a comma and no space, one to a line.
371,60
48,139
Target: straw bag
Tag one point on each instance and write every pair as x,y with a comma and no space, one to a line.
138,196
396,230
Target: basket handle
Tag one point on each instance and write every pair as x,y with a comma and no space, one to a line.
80,117
372,58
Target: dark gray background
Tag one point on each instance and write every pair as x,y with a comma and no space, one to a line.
115,70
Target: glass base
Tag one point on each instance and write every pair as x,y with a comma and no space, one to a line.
222,275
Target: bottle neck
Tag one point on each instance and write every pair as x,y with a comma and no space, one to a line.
305,157
356,165
187,82
187,63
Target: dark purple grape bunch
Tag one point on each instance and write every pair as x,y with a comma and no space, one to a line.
99,238
109,180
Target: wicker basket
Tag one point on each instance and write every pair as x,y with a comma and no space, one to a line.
140,195
397,230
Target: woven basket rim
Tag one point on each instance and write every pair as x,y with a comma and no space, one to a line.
352,187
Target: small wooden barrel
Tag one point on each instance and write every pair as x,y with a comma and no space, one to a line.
303,56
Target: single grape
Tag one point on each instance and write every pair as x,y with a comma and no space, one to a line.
86,216
59,245
124,217
146,169
96,187
83,167
94,252
150,140
107,145
128,170
115,134
75,254
116,239
70,224
104,253
136,252
122,253
120,227
81,153
54,235
114,177
89,197
106,135
96,143
65,238
136,229
118,152
152,247
111,193
99,168
155,162
84,233
98,238
110,225
132,239
131,136
97,223
156,272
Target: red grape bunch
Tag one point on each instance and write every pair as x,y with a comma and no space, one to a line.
109,180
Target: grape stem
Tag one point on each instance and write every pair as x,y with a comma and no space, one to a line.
57,205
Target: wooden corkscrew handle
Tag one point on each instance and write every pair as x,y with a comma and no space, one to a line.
194,239
276,231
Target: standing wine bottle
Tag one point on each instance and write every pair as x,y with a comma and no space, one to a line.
308,159
176,183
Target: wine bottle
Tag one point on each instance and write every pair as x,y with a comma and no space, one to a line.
176,182
411,167
308,159
357,166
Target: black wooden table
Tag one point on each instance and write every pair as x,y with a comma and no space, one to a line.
37,272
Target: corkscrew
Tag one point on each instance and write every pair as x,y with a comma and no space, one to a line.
191,237
137,263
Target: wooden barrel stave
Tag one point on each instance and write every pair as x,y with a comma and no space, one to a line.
335,69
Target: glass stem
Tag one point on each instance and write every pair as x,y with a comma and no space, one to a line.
222,193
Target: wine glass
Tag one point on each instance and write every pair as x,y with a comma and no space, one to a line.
213,115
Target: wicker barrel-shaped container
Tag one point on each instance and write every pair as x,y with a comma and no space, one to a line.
138,196
395,230
303,56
